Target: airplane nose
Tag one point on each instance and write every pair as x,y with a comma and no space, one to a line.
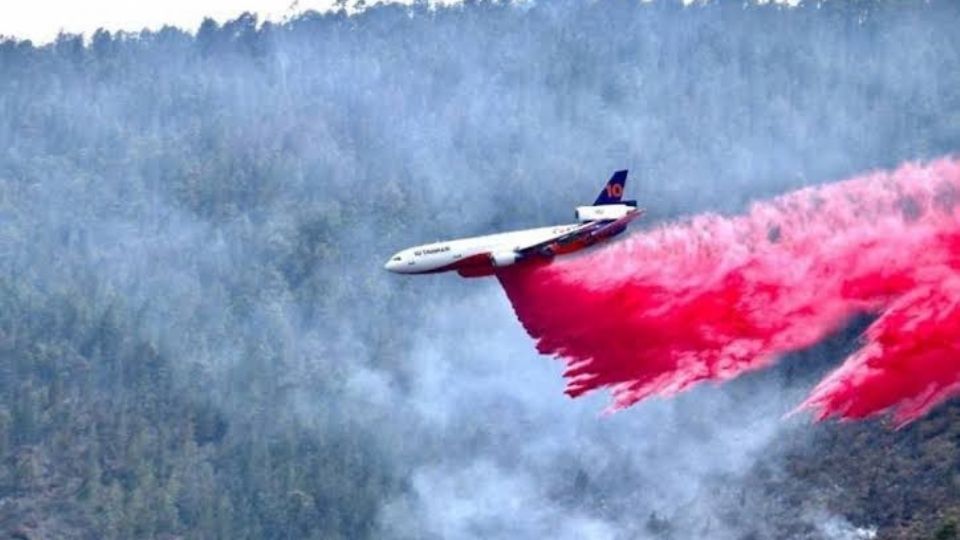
392,264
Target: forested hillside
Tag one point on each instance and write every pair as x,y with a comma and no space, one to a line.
198,340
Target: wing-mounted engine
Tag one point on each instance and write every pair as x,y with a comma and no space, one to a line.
604,212
504,258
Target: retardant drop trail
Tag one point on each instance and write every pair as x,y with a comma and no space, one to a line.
713,297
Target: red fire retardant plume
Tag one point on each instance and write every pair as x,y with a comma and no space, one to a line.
713,297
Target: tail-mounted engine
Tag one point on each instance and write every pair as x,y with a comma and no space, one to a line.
604,212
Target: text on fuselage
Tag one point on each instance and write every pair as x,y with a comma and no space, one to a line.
431,251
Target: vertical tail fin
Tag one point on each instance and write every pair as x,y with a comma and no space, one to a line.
613,191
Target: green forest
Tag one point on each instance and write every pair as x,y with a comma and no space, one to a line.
198,340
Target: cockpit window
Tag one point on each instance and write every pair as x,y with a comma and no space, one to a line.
396,259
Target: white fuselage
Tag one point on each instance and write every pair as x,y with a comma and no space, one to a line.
442,256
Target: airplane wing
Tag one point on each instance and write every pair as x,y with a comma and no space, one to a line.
580,237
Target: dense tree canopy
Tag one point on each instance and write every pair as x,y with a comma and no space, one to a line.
192,229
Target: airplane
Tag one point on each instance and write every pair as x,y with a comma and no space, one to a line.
480,256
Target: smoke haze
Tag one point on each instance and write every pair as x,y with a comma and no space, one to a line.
197,330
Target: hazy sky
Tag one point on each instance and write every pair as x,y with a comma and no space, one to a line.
42,20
